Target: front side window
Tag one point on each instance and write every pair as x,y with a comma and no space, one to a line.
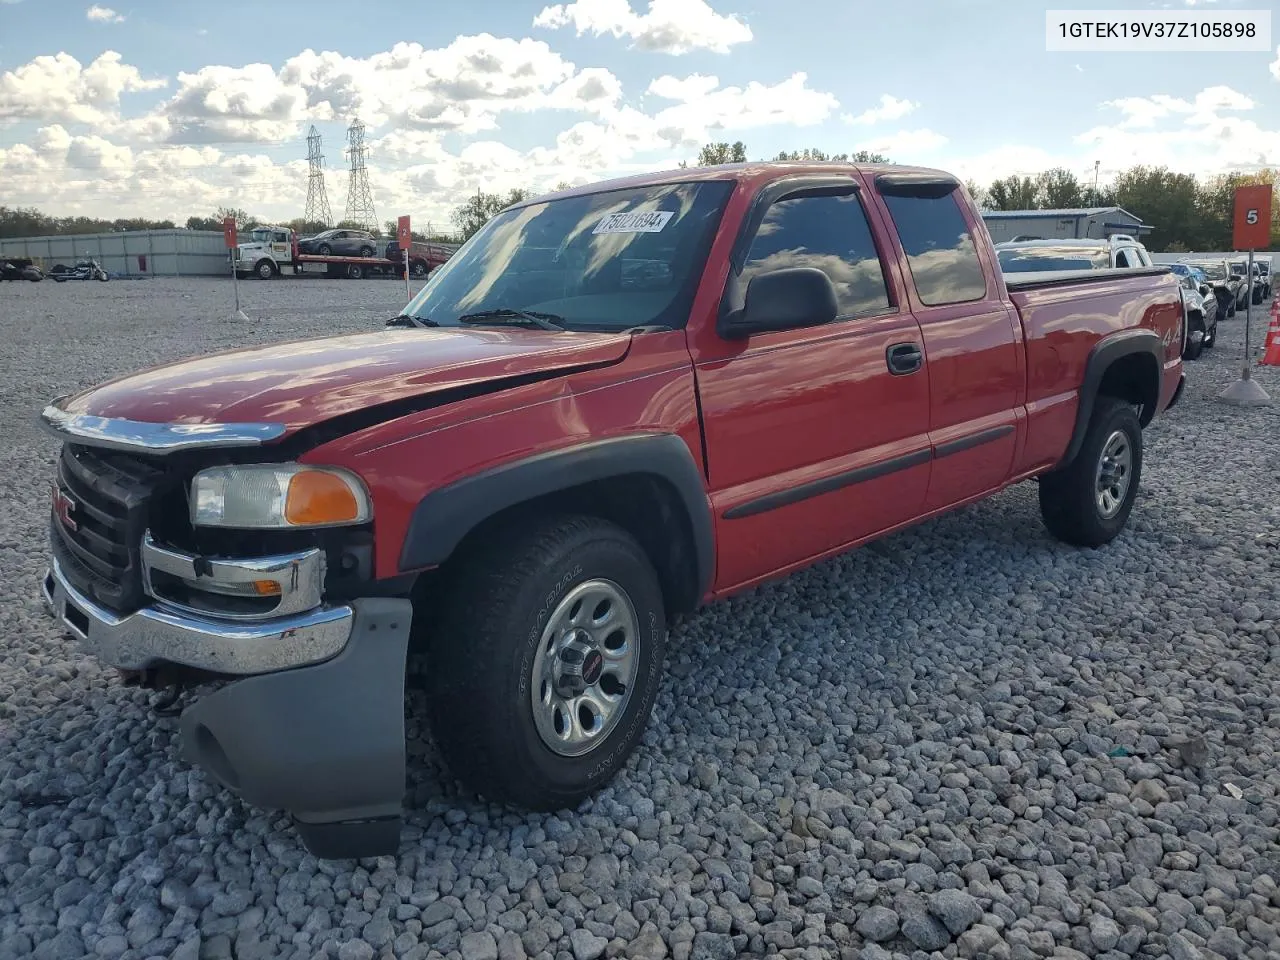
1122,259
939,246
598,261
827,231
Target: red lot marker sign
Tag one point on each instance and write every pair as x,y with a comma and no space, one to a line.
1253,218
229,232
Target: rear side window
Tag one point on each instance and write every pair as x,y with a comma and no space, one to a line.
829,232
940,247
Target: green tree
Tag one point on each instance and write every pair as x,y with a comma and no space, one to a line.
1163,200
1013,193
483,207
1058,189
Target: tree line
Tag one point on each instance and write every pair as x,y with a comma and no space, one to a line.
1187,213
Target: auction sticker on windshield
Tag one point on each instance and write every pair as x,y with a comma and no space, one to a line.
648,221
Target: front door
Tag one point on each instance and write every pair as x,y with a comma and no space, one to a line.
812,441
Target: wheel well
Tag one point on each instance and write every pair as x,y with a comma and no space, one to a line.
1134,378
1195,319
645,505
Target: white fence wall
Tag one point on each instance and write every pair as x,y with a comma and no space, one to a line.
145,253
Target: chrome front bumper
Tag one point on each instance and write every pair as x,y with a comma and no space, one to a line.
161,634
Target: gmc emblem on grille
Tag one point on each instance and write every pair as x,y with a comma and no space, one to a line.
62,506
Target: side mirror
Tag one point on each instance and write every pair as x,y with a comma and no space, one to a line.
783,300
1205,290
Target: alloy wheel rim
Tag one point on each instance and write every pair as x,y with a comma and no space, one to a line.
585,668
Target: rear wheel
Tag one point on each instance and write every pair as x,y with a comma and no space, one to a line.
366,251
354,271
419,268
1088,502
546,661
324,250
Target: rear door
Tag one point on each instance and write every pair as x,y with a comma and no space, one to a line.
972,336
812,440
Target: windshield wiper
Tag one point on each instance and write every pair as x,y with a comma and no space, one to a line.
409,320
507,316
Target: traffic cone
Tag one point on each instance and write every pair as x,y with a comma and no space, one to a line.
1271,354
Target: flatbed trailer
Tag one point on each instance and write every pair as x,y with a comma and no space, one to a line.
273,252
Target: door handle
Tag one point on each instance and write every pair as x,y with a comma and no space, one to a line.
904,358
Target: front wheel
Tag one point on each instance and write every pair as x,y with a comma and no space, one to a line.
419,268
1196,338
324,250
1211,337
1088,502
546,661
265,270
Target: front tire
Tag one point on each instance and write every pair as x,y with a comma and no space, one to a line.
1087,503
324,250
1195,345
265,270
546,662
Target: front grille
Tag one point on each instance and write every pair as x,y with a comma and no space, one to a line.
110,494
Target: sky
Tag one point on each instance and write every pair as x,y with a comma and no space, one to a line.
164,109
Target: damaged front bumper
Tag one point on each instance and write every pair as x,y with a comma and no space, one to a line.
312,720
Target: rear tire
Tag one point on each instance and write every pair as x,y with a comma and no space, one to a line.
1087,503
324,250
515,625
419,268
354,271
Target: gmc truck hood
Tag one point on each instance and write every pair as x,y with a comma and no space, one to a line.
303,383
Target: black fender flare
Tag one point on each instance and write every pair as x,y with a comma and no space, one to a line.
1105,352
445,516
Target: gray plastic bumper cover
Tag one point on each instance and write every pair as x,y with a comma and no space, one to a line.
324,742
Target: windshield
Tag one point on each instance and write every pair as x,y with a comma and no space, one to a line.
1037,259
261,236
601,261
1214,271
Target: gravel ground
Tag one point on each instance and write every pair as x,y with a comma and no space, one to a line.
966,740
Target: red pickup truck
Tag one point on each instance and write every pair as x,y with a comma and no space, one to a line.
612,405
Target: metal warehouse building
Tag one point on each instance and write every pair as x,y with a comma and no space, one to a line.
1073,223
137,253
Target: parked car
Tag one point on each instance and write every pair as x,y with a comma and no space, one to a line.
1202,315
340,243
1264,267
1226,284
1037,256
1261,281
1249,292
423,257
20,268
614,404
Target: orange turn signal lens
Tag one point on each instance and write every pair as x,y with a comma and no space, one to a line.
266,588
316,498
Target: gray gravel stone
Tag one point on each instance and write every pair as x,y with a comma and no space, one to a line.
482,946
878,924
957,910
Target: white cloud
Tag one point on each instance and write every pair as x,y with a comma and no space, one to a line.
100,14
890,108
1145,111
905,146
59,88
1275,65
690,88
704,108
670,26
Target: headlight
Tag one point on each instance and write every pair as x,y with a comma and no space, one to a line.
270,495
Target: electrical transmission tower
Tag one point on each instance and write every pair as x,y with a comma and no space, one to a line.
317,197
359,196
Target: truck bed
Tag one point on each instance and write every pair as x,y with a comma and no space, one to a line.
1063,314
